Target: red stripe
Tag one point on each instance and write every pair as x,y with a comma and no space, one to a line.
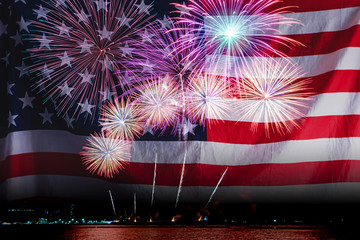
303,5
314,5
336,81
195,174
310,128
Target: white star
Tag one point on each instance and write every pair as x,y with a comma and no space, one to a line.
46,116
66,90
86,107
166,21
6,58
184,9
124,20
68,121
9,86
106,64
86,77
101,5
42,13
85,46
105,33
27,101
10,11
188,127
3,28
82,16
11,119
148,129
23,1
63,29
44,42
65,59
126,50
143,7
23,25
46,72
146,36
60,3
147,66
127,78
107,95
17,38
22,69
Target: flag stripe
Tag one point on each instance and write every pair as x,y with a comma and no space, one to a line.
215,153
337,81
195,174
310,128
317,43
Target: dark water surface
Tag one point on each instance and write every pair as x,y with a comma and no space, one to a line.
109,232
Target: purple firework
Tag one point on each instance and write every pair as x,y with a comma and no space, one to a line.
80,47
165,52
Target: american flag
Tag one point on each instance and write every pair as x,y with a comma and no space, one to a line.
39,149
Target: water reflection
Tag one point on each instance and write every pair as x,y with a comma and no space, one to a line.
183,232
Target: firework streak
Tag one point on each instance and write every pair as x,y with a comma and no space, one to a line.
319,161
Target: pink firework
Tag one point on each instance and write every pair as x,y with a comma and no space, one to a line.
81,47
159,103
104,155
273,93
121,119
207,98
236,29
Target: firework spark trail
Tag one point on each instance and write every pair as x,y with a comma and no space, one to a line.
236,28
273,93
153,188
135,205
105,155
77,56
181,179
121,119
217,185
112,202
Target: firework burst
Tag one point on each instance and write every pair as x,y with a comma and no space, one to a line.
236,29
104,155
158,101
274,93
167,52
121,119
206,98
80,47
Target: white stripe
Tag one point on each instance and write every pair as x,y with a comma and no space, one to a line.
326,104
293,151
322,21
315,21
313,65
54,186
